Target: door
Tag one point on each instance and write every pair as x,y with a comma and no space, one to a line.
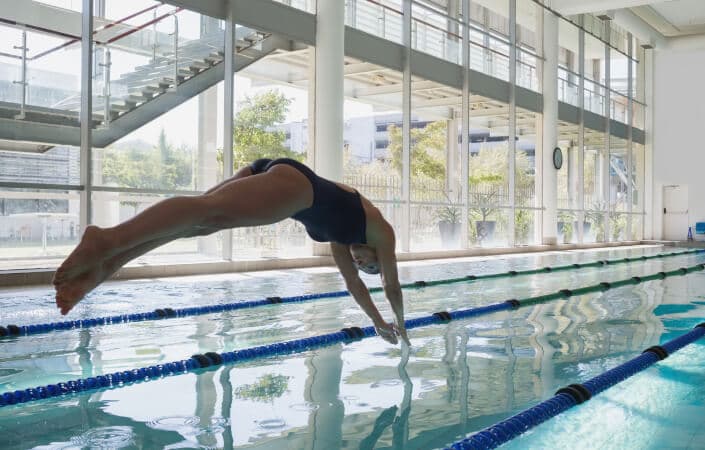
675,212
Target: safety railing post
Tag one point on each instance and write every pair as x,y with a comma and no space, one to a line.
23,81
106,85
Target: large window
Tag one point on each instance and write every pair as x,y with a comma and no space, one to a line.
489,195
619,180
435,168
271,121
594,75
372,135
567,181
595,189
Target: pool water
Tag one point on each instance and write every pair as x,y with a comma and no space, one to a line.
457,378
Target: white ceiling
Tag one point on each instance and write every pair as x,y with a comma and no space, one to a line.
669,17
675,18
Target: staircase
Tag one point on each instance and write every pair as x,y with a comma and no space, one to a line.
137,97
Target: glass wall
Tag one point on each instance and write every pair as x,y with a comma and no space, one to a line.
594,75
527,52
595,192
40,182
271,121
619,180
435,169
489,195
151,49
619,86
525,180
567,182
372,136
489,37
637,179
568,62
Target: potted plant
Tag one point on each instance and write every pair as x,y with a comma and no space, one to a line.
448,218
565,226
522,226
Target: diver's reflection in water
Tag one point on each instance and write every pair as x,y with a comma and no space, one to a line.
399,422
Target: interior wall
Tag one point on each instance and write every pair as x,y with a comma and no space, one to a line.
679,121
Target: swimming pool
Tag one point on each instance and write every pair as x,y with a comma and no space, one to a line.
460,377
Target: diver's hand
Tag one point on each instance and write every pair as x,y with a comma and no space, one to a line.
387,332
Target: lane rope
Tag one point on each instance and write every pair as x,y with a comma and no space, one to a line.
572,395
212,359
170,313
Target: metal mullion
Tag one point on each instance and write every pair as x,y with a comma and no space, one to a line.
406,128
228,114
581,134
512,118
86,119
607,112
630,159
465,127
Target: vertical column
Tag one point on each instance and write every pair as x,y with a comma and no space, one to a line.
406,129
512,120
538,126
86,112
581,133
465,126
330,52
650,215
206,173
550,127
228,113
605,161
630,158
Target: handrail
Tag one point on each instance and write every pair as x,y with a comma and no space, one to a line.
145,25
73,38
9,55
459,37
104,27
37,28
385,6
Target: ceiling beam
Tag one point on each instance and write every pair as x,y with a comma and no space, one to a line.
656,21
397,88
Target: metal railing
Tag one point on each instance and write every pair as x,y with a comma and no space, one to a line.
26,59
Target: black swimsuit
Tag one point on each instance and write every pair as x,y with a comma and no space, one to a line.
336,215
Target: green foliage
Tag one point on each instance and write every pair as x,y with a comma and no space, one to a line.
523,219
428,150
254,135
618,225
267,387
567,218
596,216
160,167
489,172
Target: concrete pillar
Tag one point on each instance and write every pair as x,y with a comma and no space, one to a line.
330,33
572,162
550,127
207,171
652,221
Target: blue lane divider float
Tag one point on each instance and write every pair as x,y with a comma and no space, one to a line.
168,313
211,359
575,394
